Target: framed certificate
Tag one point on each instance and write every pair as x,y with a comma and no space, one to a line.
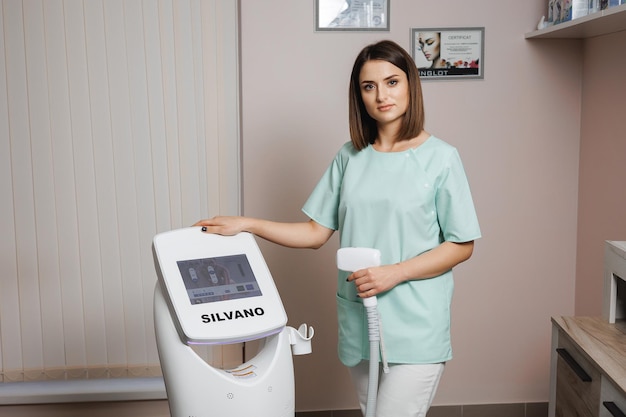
355,15
449,53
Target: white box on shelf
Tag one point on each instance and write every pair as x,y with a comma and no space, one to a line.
565,10
577,8
614,296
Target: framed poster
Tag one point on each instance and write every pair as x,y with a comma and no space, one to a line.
449,53
355,15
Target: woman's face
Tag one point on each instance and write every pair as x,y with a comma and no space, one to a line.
384,91
430,44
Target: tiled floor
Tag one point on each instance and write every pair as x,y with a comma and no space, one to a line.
483,410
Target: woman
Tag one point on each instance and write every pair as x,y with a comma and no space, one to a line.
396,188
430,45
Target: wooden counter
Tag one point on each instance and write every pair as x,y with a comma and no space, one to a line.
588,361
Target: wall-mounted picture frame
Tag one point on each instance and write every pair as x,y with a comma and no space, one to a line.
352,15
449,53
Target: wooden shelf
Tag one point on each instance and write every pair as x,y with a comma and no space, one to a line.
600,23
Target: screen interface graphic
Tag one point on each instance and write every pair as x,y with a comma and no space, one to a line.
221,278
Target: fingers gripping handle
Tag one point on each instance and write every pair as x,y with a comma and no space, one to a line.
353,259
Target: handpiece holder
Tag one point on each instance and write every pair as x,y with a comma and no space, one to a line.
300,340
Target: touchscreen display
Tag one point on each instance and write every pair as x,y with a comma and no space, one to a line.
221,278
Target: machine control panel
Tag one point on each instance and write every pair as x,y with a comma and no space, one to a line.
219,288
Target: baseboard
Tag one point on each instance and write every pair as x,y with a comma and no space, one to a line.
474,410
160,409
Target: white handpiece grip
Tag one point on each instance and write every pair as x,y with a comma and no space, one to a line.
353,259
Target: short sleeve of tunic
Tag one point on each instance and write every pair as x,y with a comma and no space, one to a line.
402,203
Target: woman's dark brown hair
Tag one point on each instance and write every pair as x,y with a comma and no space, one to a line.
363,130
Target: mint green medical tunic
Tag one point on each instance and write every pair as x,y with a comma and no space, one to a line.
404,204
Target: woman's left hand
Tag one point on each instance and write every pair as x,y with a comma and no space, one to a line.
373,281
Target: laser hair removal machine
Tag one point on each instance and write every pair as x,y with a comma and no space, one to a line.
218,290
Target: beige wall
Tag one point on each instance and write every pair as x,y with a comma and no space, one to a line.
602,200
518,133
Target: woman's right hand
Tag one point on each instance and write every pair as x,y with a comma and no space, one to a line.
223,225
307,234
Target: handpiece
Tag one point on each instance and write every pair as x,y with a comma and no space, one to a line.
353,259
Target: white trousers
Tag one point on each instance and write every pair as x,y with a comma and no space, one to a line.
406,391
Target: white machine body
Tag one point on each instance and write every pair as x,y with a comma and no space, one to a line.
218,290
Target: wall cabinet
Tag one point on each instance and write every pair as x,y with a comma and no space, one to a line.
588,375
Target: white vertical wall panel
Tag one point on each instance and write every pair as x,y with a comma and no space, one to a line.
157,149
10,330
186,100
171,109
62,177
112,130
210,98
107,223
29,312
43,186
90,346
228,123
144,183
124,174
64,185
157,110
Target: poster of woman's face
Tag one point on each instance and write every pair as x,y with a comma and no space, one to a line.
449,53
